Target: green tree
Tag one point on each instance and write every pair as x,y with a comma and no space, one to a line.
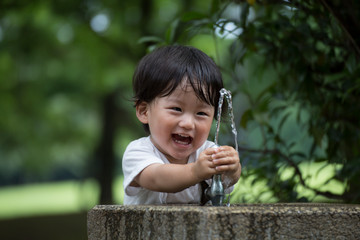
66,72
65,85
290,60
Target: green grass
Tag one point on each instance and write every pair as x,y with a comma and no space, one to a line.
47,198
53,198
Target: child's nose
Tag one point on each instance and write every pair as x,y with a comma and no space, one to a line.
187,121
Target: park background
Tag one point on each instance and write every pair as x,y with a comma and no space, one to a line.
66,113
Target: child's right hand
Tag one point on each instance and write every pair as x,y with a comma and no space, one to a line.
203,167
222,160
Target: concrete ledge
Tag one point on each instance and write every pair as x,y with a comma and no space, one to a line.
248,221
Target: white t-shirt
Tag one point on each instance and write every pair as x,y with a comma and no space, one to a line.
141,153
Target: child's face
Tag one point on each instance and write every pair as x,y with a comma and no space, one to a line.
179,123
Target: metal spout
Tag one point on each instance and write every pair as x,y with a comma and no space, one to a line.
216,192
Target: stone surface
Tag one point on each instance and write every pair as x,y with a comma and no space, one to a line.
248,221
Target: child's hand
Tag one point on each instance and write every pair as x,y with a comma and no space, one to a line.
203,167
226,161
222,160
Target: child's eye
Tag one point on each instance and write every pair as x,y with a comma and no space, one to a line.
177,109
202,113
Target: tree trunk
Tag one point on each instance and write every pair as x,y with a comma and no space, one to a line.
105,154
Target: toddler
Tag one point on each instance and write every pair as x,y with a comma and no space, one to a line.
176,97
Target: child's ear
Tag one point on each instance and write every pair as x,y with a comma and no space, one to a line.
142,112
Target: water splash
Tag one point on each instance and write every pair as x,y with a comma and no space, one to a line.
226,94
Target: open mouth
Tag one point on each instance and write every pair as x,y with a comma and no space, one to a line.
184,140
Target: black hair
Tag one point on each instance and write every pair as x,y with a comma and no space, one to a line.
160,72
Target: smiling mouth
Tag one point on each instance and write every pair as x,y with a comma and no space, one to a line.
184,140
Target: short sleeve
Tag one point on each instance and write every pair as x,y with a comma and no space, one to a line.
138,155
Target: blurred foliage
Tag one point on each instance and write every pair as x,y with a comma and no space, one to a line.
293,68
65,85
56,67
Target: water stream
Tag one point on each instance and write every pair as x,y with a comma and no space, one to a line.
226,94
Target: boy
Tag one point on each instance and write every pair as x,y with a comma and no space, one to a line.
176,98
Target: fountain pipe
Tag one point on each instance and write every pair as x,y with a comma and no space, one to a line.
216,192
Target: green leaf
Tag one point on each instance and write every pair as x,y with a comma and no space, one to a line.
190,16
150,39
298,154
170,36
246,117
283,120
215,6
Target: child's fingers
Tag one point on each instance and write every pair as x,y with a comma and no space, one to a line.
210,151
221,159
206,160
224,168
226,156
225,161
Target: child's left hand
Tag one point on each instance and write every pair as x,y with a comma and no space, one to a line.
227,162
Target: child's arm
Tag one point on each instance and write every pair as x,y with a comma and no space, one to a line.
226,161
177,177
